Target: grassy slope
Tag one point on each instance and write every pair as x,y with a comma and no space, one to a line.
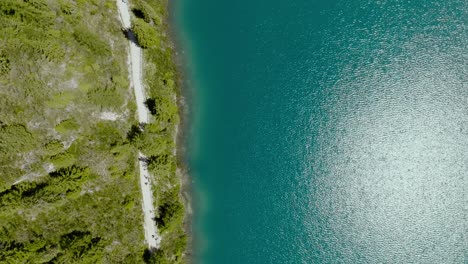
68,186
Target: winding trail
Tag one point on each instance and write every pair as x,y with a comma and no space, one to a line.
153,239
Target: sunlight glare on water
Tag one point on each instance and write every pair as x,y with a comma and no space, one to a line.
392,160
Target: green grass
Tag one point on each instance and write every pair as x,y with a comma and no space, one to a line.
61,99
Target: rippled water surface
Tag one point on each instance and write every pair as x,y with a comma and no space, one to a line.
328,131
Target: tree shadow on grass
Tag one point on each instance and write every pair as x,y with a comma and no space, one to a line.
151,105
138,13
134,132
152,256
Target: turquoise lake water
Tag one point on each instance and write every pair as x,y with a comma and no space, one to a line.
327,131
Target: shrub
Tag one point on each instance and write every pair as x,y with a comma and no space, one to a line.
15,139
52,51
54,147
66,126
152,144
145,34
146,12
4,64
107,98
163,108
63,160
88,39
107,135
171,211
61,99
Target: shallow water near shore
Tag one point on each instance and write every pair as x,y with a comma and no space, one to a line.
327,131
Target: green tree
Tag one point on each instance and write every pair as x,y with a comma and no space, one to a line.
145,34
90,40
54,147
16,139
62,160
67,126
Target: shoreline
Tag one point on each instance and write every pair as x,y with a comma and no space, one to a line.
186,102
183,128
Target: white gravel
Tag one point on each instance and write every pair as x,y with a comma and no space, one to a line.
109,116
153,239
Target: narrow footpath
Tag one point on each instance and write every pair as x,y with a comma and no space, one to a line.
153,239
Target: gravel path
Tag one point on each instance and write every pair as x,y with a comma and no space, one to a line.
135,68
